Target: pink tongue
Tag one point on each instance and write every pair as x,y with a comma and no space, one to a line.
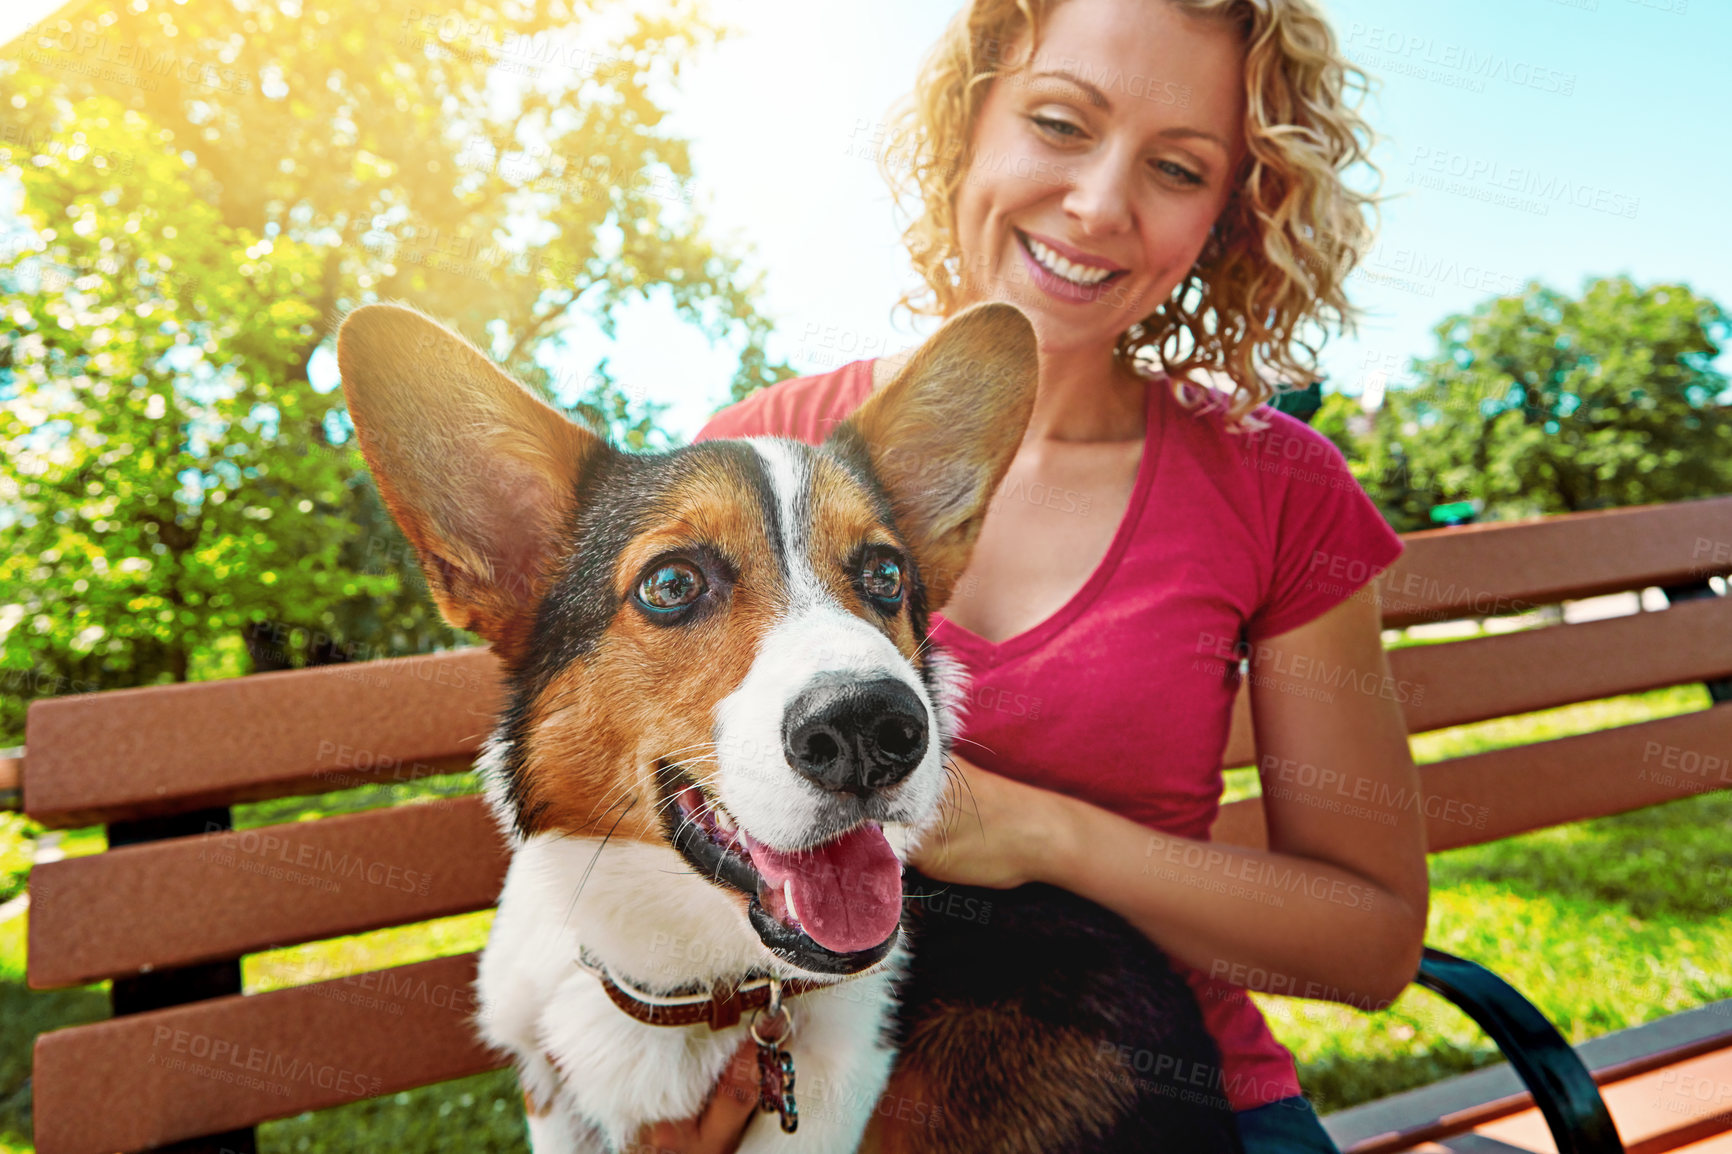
847,892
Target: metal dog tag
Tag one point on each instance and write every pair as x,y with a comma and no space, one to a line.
776,1085
776,1065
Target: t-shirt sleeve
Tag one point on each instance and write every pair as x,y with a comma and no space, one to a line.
1330,541
740,419
801,408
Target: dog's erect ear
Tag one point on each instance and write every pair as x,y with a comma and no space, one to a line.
942,434
479,473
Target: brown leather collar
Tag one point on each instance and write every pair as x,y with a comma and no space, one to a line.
724,1005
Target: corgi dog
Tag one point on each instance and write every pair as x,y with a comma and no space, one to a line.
724,734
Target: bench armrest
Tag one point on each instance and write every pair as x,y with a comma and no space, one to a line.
1551,1070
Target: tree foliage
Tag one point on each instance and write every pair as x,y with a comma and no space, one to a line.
204,189
1546,403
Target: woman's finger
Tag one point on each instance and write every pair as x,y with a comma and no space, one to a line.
724,1120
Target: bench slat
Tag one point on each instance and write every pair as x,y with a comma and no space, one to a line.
230,1062
129,753
1485,797
1469,1100
116,913
1510,567
1653,1111
1489,677
1501,676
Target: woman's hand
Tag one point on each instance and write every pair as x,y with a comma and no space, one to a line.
720,1127
994,831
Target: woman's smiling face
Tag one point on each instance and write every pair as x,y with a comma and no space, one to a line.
1099,166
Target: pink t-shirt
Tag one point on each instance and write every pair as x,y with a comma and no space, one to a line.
1121,697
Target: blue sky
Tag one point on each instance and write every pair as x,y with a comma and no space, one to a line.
1557,139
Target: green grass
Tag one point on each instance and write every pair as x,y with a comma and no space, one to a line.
16,845
287,809
1603,924
479,1115
25,1013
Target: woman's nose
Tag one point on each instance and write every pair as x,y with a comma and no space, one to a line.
1099,197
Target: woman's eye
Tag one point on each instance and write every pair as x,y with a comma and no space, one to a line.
882,577
1062,128
1180,172
672,586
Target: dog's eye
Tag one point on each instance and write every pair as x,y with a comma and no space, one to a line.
672,586
881,576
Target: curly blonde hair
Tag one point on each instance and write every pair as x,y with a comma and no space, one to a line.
1270,282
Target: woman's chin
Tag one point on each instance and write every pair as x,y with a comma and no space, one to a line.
1066,327
1059,335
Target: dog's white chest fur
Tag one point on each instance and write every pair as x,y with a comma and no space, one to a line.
599,1074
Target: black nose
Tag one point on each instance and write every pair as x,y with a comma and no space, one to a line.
855,736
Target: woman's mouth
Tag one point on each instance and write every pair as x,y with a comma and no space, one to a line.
1061,276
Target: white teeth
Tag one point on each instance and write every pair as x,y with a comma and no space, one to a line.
788,896
1065,269
723,821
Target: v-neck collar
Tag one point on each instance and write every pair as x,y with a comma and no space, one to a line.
982,652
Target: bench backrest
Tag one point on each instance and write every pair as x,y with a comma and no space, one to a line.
130,756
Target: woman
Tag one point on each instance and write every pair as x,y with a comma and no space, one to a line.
1160,181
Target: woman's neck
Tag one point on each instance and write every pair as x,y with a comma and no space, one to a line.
1083,398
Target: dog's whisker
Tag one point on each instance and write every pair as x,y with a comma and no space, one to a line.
617,798
661,808
700,781
954,775
589,820
583,881
704,780
669,758
674,755
732,841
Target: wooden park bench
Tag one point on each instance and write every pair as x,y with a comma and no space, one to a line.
180,897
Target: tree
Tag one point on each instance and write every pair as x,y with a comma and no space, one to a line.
1543,403
151,508
1343,421
207,188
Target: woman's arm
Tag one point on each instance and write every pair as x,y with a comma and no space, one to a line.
1334,909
